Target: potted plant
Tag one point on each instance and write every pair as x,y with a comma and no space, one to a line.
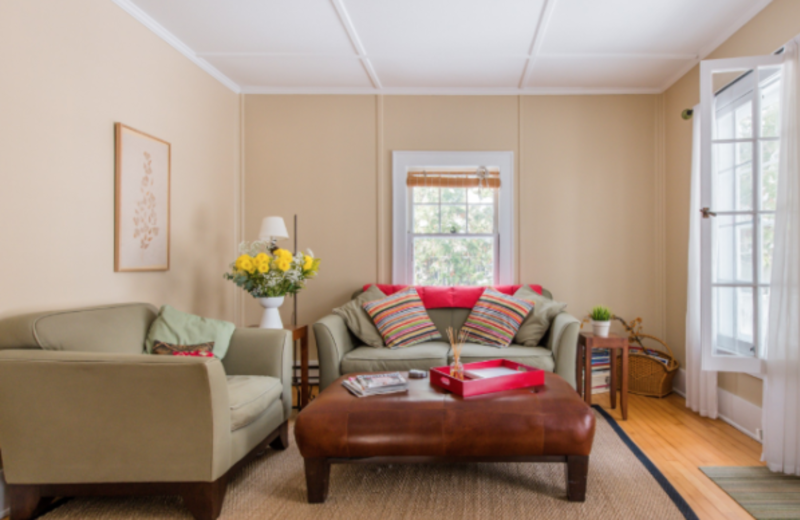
601,320
270,276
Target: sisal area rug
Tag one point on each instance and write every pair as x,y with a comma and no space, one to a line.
623,483
764,494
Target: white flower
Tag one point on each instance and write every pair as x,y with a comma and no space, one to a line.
310,252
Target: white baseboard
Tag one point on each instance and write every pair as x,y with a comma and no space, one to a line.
739,413
4,507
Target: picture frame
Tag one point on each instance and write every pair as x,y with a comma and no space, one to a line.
142,166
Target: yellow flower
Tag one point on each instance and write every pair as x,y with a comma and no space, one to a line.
284,264
248,265
263,267
240,262
308,262
261,258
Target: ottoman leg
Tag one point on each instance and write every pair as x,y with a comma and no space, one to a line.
577,471
318,473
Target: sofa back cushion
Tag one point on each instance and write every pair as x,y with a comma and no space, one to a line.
120,329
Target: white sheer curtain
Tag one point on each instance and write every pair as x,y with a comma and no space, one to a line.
782,384
701,386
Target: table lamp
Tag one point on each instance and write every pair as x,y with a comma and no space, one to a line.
272,230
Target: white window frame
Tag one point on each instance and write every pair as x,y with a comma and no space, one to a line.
711,361
403,161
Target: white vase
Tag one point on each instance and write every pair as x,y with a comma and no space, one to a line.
272,317
600,328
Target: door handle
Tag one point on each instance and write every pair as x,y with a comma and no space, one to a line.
707,213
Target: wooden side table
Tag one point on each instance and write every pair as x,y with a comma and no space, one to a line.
583,372
299,333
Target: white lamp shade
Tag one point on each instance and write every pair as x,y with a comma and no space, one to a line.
273,227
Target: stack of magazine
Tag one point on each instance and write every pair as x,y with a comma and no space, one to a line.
375,384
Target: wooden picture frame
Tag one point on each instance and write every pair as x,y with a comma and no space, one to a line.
142,201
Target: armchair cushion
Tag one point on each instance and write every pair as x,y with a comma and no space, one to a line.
536,324
250,396
181,328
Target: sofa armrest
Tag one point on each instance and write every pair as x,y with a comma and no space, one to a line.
333,342
78,417
563,342
263,352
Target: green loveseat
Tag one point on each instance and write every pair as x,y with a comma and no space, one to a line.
340,352
84,411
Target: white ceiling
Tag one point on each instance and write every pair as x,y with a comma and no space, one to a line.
445,46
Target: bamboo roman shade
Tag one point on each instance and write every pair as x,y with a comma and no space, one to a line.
454,178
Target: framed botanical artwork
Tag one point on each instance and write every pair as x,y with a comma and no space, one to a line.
141,235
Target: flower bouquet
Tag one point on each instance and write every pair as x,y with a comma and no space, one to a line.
271,276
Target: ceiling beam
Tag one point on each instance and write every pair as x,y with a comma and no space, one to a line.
538,37
350,29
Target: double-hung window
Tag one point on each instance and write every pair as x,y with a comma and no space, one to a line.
452,218
740,142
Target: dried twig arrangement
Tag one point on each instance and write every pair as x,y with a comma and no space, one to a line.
457,343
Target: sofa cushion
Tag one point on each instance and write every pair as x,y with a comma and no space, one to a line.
357,319
402,320
250,396
422,356
115,329
181,328
496,318
538,357
537,323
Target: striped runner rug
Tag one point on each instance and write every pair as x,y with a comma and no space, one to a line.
764,494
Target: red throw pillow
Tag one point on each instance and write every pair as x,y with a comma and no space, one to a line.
462,297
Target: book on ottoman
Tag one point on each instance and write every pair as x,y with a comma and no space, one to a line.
375,384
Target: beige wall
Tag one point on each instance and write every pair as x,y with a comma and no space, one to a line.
69,71
776,24
587,178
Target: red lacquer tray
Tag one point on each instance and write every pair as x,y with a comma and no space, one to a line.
526,376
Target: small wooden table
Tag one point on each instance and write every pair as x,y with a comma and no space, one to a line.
614,343
300,333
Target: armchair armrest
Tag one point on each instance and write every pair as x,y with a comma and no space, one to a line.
263,352
79,417
563,343
333,342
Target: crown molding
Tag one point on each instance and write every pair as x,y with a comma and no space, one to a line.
717,41
450,91
145,19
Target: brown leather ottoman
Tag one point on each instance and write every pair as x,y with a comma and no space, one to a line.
427,424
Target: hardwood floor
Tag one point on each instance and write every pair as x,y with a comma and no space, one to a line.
679,441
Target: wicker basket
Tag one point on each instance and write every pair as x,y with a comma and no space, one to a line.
646,374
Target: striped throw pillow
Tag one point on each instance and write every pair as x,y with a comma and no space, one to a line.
402,320
496,318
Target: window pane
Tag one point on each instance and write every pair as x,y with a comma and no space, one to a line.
454,218
770,154
454,195
763,321
733,321
426,219
767,243
481,218
724,127
733,176
733,248
770,101
426,195
453,261
744,120
480,196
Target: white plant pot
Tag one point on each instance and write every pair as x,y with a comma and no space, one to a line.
600,328
272,317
